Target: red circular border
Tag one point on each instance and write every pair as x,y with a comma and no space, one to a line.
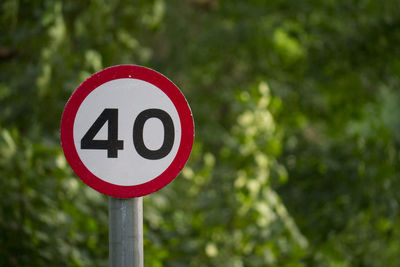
133,72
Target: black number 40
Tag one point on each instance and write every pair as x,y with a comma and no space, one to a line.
112,144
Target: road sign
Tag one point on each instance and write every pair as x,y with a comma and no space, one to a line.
127,131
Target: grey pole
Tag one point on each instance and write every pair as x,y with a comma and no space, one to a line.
125,219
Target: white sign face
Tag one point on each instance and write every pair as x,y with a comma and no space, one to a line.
127,97
127,131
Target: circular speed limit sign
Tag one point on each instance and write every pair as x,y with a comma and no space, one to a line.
127,131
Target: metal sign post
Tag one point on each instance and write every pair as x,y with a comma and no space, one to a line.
125,232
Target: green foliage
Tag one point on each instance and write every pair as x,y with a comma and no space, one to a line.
297,137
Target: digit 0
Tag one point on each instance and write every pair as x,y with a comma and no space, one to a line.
169,134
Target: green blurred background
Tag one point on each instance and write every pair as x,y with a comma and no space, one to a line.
296,106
